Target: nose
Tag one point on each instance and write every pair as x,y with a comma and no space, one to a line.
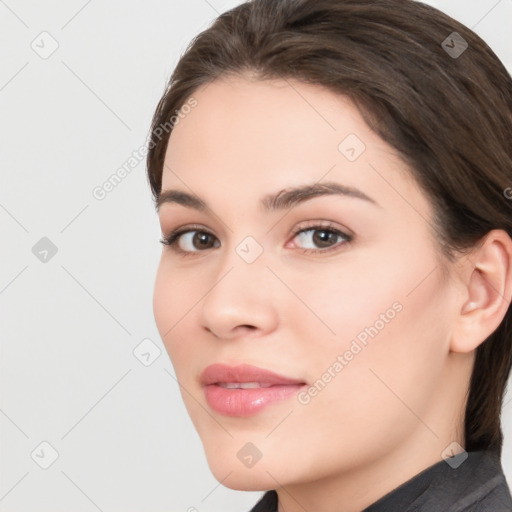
241,300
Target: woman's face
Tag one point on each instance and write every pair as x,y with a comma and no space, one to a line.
341,293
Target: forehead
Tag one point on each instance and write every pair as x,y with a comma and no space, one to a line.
259,136
248,114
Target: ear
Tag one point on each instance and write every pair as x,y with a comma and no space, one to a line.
487,291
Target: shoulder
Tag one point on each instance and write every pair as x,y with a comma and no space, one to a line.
493,496
487,488
478,485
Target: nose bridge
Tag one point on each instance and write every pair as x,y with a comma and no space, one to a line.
242,291
244,264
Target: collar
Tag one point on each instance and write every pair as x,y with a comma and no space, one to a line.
461,483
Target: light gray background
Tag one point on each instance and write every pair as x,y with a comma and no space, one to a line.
69,326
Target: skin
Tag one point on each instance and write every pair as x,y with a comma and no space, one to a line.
398,404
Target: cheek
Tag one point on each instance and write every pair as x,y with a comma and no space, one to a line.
388,318
163,301
173,301
340,300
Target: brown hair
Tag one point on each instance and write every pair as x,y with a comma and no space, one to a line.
448,115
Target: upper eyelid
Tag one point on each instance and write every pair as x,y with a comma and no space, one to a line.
319,224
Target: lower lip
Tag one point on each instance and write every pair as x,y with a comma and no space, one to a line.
247,402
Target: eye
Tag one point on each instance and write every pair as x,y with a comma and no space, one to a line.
188,240
321,238
314,238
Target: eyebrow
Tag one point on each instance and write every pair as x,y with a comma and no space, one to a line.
281,200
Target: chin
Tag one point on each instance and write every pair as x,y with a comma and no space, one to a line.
246,480
233,474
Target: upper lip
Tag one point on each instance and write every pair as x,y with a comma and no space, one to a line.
222,373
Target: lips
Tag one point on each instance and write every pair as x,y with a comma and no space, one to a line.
245,390
222,374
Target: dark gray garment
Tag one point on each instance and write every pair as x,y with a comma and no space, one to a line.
476,485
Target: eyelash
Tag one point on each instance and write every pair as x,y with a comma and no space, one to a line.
172,238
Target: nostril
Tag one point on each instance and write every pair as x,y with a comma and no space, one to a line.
245,327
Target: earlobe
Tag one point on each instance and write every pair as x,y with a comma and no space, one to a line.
488,292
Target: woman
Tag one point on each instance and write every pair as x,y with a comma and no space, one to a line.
332,179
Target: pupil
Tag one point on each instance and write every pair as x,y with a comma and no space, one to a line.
201,240
322,237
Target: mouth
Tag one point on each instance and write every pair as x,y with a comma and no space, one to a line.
245,390
243,385
244,374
